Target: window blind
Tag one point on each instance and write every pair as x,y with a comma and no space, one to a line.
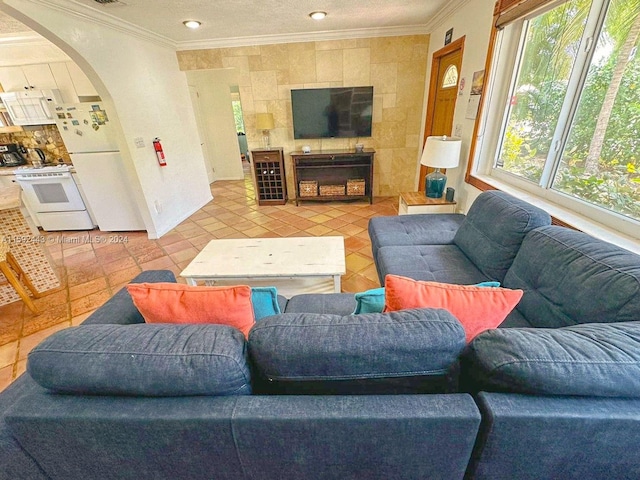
508,11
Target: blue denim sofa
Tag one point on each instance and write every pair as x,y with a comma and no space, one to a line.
558,384
553,393
115,398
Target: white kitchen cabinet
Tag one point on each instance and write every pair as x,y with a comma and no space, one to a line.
27,77
12,79
63,76
39,77
7,180
82,84
64,82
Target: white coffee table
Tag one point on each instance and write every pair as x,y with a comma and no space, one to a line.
294,265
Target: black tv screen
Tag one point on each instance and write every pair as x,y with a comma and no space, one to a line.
332,112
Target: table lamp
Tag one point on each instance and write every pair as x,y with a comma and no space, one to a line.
439,152
264,122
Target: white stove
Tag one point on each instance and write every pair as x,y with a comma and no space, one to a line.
53,198
42,171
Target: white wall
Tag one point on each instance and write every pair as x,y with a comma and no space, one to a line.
141,80
472,19
214,87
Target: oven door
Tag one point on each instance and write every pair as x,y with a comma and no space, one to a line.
51,192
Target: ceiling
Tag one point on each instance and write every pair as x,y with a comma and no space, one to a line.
225,20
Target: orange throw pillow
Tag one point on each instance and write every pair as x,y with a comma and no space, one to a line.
477,308
178,303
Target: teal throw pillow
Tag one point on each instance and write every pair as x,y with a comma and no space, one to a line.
487,284
372,301
265,302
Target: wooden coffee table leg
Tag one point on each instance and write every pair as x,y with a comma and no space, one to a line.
336,283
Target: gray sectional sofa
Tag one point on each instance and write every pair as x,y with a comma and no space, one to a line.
318,393
558,384
119,399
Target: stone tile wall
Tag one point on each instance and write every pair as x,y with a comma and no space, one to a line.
395,66
45,137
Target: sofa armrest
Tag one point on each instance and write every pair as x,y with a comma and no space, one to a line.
15,461
120,309
531,437
591,359
248,436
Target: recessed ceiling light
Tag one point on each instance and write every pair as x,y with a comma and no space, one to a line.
192,24
318,15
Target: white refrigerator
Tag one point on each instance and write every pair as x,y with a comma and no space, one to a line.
88,135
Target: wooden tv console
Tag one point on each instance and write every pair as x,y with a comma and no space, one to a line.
333,167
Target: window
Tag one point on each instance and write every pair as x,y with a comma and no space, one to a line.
450,78
571,130
237,115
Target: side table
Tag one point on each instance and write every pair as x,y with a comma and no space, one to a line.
411,203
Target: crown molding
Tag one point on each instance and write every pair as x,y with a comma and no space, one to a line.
445,12
302,37
93,15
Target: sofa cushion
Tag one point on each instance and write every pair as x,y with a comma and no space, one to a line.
590,359
422,229
493,230
570,277
178,303
477,308
333,303
143,359
434,263
515,320
400,352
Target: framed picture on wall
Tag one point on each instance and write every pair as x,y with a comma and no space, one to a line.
448,36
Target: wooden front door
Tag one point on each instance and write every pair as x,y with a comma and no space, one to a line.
443,93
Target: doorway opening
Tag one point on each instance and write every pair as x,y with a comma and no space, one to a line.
443,93
238,118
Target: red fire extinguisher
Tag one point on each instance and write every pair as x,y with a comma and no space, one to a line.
157,146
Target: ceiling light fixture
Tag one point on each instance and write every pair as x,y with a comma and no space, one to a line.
318,15
193,24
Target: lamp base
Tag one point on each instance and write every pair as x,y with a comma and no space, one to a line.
434,184
266,139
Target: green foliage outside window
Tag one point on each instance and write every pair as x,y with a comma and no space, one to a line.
600,157
237,116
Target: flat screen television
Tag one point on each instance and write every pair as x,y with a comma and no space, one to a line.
332,112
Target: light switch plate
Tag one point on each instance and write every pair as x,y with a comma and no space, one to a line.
139,141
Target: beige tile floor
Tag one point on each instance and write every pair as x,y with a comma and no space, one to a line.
91,271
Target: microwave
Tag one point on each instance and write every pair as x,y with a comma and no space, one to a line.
31,107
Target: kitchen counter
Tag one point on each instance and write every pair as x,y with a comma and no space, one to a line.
8,171
27,248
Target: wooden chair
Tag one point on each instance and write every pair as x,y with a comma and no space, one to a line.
7,263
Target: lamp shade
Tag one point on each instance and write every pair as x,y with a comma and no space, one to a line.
264,121
441,152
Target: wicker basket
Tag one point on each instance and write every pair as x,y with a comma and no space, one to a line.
355,186
331,190
308,188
